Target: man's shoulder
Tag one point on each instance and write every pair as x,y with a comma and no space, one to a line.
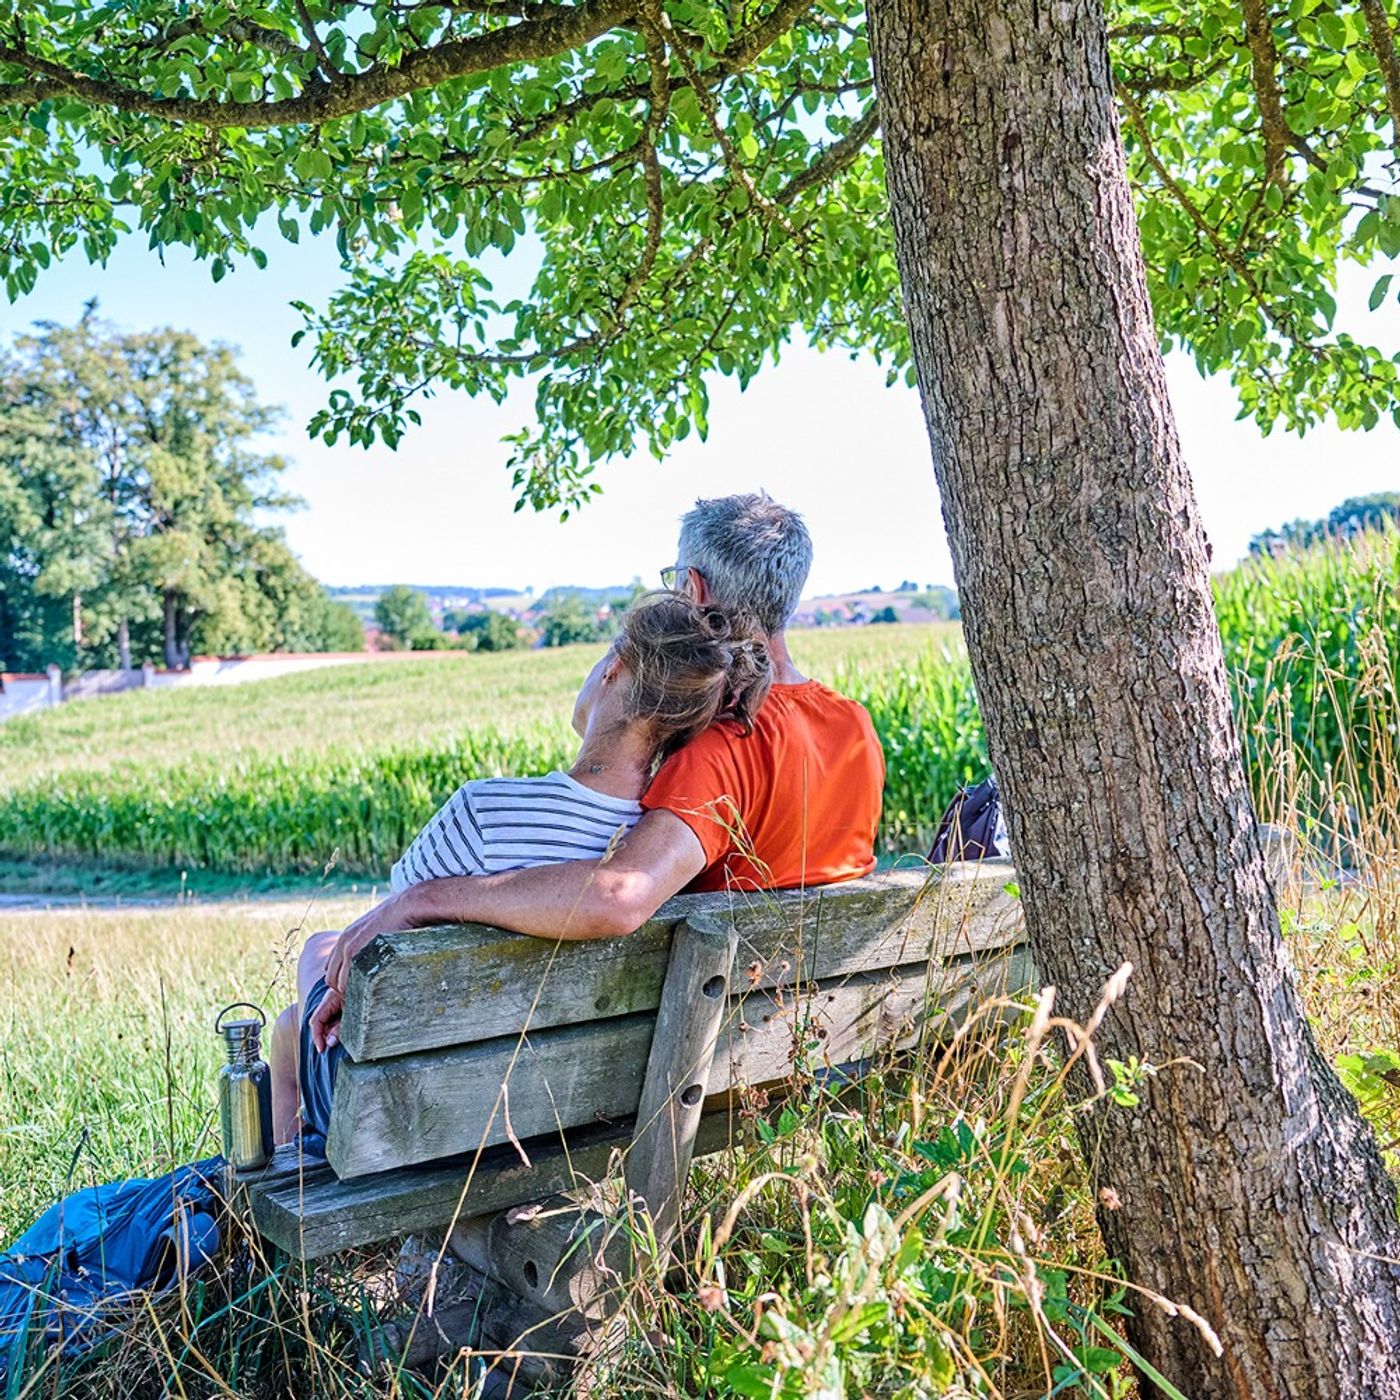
813,700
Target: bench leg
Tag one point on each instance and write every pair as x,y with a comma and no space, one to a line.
694,999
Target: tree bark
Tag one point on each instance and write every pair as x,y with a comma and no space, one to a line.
124,645
1250,1187
171,622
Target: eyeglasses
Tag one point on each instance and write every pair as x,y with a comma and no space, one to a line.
670,576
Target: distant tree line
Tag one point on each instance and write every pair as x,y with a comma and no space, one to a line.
563,617
130,480
1353,515
404,620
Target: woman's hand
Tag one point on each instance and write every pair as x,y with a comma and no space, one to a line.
385,917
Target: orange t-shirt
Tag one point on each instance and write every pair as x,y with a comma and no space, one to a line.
796,802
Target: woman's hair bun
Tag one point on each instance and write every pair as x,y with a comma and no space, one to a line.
690,664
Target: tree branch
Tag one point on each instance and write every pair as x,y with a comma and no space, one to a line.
323,101
1142,81
1387,55
835,158
1259,34
328,69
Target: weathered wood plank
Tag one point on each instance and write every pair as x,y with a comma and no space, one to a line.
694,1003
308,1212
438,1103
416,1108
448,986
892,919
839,1023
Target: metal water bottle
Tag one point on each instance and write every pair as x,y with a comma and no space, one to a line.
245,1090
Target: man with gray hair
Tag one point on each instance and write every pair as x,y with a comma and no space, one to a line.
745,552
793,802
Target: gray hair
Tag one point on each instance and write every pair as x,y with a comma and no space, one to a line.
753,553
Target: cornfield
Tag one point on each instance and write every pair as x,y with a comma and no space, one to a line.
1312,642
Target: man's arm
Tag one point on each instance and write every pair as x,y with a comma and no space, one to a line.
574,899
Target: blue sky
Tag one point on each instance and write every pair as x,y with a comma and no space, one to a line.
820,432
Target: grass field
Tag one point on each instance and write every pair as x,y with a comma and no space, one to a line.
107,1042
107,1065
340,768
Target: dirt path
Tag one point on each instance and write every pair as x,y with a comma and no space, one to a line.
59,903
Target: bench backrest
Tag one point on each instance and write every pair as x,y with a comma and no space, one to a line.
438,1020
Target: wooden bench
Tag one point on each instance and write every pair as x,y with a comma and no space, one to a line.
489,1070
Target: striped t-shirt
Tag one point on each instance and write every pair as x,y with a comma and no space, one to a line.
496,824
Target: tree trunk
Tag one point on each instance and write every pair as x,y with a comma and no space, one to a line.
172,631
77,626
124,645
1250,1188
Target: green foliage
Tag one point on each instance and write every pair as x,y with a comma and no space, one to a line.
1312,639
331,626
401,614
130,485
52,540
486,630
567,620
692,188
942,602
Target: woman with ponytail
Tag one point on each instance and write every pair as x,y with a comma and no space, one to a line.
676,668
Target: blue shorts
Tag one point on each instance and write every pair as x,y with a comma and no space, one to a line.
316,1071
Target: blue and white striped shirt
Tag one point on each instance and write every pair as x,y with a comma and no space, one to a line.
495,824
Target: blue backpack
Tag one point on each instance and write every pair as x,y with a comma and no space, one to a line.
65,1281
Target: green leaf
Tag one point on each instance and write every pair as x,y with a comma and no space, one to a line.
1379,291
856,1321
1097,1361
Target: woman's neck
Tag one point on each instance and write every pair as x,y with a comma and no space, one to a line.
616,763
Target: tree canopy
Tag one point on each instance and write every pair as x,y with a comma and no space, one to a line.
401,613
693,183
130,483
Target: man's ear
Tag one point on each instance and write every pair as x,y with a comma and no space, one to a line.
614,668
696,586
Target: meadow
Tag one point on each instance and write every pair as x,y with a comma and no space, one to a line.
341,767
107,1056
999,1289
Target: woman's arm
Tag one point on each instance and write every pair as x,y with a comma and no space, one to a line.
573,899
